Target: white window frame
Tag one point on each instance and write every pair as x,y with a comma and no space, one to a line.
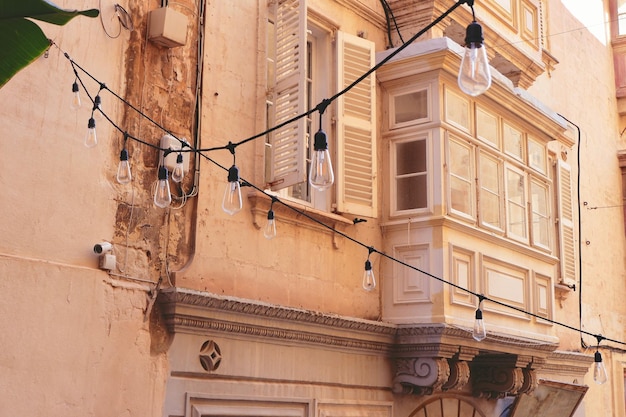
482,190
508,202
425,136
470,181
350,122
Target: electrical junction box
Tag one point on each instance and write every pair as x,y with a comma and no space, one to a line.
167,27
107,262
169,161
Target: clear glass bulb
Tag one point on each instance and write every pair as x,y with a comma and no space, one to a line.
91,139
599,370
162,195
479,332
232,203
123,169
75,104
369,281
474,73
270,227
321,175
179,171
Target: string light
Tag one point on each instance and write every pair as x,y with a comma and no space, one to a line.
269,231
479,332
232,202
76,103
369,280
474,73
124,175
91,139
321,176
303,213
179,171
599,370
162,195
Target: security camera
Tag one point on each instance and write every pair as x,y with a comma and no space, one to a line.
102,247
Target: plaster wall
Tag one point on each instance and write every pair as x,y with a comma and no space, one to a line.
75,342
582,89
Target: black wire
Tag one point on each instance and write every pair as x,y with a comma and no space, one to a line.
386,9
583,344
393,17
320,107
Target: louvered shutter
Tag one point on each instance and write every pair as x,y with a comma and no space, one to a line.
356,127
567,247
288,165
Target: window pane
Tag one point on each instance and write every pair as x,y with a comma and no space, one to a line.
516,204
513,141
536,156
412,106
457,110
505,4
411,157
490,196
412,193
487,127
540,208
460,177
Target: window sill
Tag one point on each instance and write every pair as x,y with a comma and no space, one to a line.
298,215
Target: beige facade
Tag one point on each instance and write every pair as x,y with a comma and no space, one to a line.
515,195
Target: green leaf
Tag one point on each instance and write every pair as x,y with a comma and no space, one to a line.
43,10
23,41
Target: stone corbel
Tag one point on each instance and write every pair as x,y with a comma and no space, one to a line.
496,377
421,376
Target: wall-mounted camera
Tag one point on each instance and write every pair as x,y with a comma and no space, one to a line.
102,247
108,261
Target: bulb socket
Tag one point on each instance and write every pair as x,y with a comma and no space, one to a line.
179,158
91,124
474,34
270,215
162,173
124,155
479,314
368,265
597,357
233,174
320,143
75,87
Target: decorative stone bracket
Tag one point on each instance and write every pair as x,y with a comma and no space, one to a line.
491,376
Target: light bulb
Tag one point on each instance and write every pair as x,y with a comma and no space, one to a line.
75,104
232,203
321,174
162,195
369,281
474,73
599,371
123,169
270,227
479,332
179,171
91,139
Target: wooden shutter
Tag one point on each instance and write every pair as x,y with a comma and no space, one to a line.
356,127
567,246
288,165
